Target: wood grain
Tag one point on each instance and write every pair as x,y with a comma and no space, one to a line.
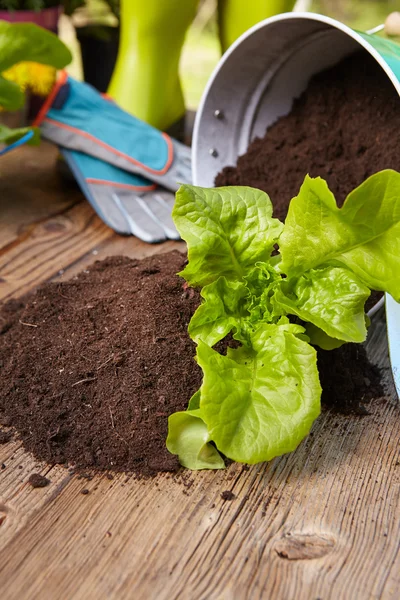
31,190
323,522
48,247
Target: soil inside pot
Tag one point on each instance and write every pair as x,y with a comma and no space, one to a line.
342,128
93,367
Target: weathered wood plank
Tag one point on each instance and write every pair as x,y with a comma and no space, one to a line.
323,522
31,190
49,247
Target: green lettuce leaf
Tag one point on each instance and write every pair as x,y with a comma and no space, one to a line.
194,402
223,309
319,338
28,42
227,231
8,136
188,438
260,282
11,95
260,402
332,298
363,235
235,305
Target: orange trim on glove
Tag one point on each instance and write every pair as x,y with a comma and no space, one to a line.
50,99
95,140
124,186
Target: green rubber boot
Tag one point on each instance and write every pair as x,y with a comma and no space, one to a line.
236,16
146,81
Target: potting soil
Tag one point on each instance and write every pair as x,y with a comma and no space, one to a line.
93,367
342,128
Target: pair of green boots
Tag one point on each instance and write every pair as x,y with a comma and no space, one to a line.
146,77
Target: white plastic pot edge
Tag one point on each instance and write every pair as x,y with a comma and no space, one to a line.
376,307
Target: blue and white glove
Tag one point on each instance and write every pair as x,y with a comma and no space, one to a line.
78,117
118,161
127,203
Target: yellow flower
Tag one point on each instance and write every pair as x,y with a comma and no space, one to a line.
38,78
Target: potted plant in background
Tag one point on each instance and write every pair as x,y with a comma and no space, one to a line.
36,79
97,29
25,44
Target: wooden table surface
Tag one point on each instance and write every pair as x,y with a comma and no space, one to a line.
323,522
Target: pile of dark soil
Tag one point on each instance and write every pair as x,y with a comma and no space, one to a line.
348,380
342,128
92,368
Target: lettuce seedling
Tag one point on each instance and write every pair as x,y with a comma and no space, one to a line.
260,399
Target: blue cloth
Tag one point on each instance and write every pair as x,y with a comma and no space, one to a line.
90,168
84,109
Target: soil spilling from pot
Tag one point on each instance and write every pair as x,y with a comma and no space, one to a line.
342,128
93,367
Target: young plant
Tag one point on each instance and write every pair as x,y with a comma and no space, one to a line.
260,399
25,42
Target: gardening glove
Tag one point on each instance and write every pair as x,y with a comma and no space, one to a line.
77,117
127,203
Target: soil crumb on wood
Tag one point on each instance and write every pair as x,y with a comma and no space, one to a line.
227,495
5,436
109,360
38,481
